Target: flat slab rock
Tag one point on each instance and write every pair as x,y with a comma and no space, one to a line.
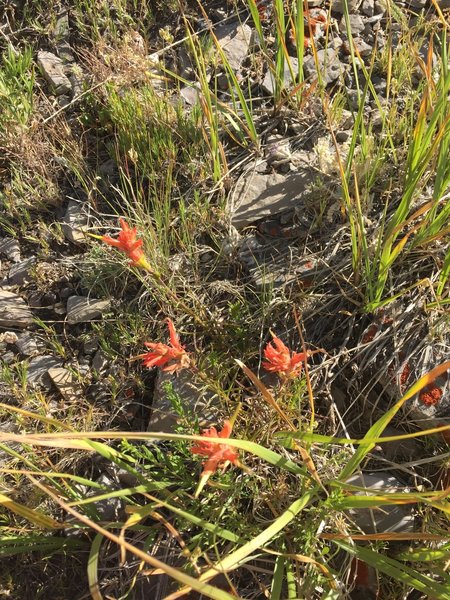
22,272
52,69
14,311
391,517
10,248
234,39
195,402
277,263
82,310
258,195
26,344
38,370
63,380
290,75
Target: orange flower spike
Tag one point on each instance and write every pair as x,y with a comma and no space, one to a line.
127,242
215,453
279,359
169,357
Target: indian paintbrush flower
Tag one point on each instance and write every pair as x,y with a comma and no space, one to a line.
215,453
279,359
128,242
169,357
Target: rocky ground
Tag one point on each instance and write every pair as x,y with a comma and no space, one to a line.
280,230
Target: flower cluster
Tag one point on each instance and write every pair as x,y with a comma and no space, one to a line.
279,359
172,357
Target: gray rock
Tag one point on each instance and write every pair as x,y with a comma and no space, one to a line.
342,136
353,99
59,308
74,222
184,64
65,52
329,65
109,509
431,407
21,272
361,46
368,7
380,86
357,24
10,248
347,119
100,361
234,39
380,7
83,367
398,367
408,449
52,69
8,357
61,29
125,478
83,310
90,345
38,367
63,380
443,4
376,119
26,344
387,518
276,264
291,68
336,43
196,403
338,6
416,4
190,94
14,312
261,195
108,174
154,70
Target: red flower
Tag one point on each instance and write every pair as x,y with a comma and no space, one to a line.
216,453
163,354
280,359
127,242
430,395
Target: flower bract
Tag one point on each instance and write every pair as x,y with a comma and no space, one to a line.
169,357
215,453
280,360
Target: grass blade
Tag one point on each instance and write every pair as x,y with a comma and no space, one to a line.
400,572
92,568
